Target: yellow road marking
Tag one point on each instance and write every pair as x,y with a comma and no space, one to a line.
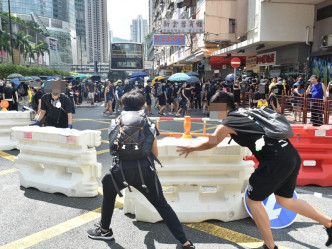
200,130
7,156
102,151
227,234
105,141
9,171
103,129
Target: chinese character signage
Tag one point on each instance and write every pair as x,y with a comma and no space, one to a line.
169,40
266,59
182,26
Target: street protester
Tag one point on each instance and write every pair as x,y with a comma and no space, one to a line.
7,94
56,106
138,171
279,164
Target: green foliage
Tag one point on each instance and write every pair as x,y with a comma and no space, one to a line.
7,69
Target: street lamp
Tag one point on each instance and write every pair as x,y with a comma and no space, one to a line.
11,32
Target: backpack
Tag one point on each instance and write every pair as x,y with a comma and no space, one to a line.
21,90
132,137
34,105
159,90
275,125
211,90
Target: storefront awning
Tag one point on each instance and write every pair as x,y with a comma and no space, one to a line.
200,54
223,60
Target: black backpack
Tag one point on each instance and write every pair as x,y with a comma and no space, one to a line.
275,125
132,137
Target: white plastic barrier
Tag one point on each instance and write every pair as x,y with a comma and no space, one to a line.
9,119
58,160
205,185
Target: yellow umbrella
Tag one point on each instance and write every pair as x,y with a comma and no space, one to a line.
157,79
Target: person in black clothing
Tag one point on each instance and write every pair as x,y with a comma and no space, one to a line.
198,96
162,100
128,172
23,93
70,93
7,94
15,97
273,101
279,164
259,97
236,91
58,110
148,97
183,101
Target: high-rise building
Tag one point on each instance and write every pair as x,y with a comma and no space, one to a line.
56,17
138,29
80,31
96,30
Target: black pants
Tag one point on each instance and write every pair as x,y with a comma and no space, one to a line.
198,101
317,112
133,179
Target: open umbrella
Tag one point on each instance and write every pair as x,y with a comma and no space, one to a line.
36,78
80,76
139,79
158,78
179,77
46,77
230,77
193,74
95,77
216,79
193,79
139,74
14,75
24,79
16,82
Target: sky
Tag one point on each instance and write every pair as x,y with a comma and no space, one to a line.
121,12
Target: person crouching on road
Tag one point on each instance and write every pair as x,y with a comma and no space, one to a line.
57,108
279,164
127,172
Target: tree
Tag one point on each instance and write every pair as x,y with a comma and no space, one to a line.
21,42
40,49
5,43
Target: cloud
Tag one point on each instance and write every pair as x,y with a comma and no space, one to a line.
121,12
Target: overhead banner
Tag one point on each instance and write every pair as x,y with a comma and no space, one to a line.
186,26
169,40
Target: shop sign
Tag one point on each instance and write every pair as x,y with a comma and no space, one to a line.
148,64
187,68
169,40
186,26
250,62
266,59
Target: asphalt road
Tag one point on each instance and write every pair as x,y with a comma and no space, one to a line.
33,219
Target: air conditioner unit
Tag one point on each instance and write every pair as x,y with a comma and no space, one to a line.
326,41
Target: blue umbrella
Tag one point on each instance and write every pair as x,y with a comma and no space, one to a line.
193,79
132,80
193,74
230,77
15,81
138,74
23,79
179,77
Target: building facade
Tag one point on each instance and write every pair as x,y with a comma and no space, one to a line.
81,32
138,29
56,17
96,31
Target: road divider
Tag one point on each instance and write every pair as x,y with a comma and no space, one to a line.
214,180
58,160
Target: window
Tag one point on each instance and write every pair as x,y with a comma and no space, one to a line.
232,26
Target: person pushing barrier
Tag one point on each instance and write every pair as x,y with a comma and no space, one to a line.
279,162
133,143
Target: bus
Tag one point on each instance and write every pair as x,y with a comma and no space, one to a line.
126,58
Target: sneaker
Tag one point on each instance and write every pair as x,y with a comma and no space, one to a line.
151,114
329,234
265,247
190,246
112,116
160,114
103,114
96,233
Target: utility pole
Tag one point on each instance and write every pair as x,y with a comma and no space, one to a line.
11,32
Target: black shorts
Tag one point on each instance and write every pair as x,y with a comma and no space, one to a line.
148,101
275,176
162,100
